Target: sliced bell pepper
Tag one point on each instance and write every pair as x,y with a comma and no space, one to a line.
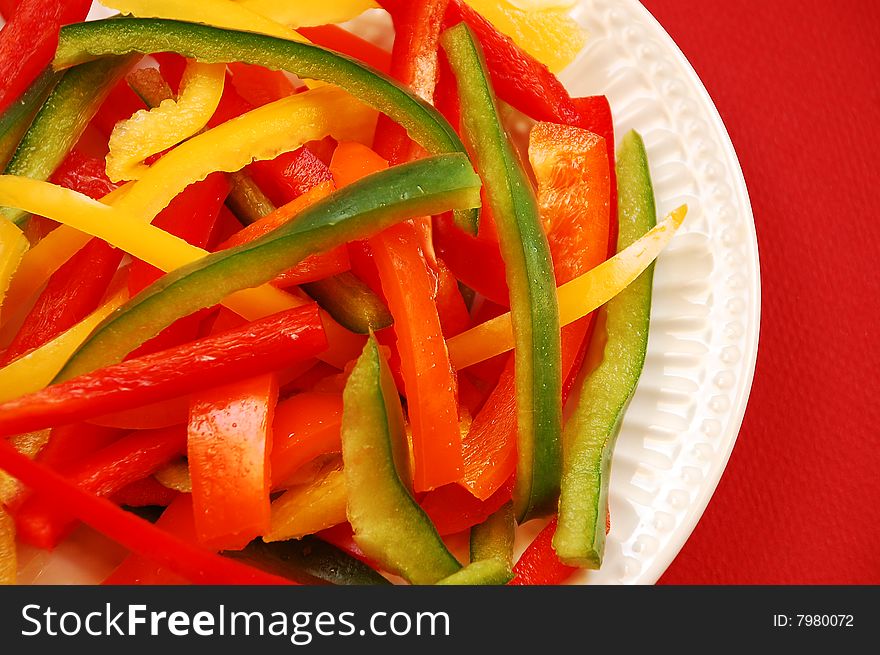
577,298
529,268
305,426
361,209
149,132
121,103
493,538
428,381
72,293
16,119
451,308
175,475
62,120
539,565
310,561
43,523
310,507
388,524
28,41
425,125
549,34
228,451
136,534
34,370
265,345
591,432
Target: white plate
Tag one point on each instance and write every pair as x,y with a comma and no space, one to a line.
683,421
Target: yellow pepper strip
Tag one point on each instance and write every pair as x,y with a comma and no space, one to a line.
263,133
219,13
8,559
35,370
308,508
150,131
543,29
41,261
175,475
13,246
577,298
309,14
28,444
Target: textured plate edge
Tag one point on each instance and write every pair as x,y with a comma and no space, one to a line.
658,567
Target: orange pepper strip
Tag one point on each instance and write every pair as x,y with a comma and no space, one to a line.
429,381
228,450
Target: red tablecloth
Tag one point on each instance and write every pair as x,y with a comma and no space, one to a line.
798,84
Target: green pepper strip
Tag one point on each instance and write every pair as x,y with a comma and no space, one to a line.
491,552
61,121
389,526
308,561
526,253
352,303
17,118
426,126
429,186
591,432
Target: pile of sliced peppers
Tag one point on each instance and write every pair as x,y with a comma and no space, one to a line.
303,295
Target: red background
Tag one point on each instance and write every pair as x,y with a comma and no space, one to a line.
797,83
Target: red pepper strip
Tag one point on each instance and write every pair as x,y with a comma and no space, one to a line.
136,534
517,77
476,261
290,175
539,565
72,293
41,522
145,493
29,39
228,450
120,104
226,226
413,63
260,347
258,85
306,425
452,508
176,520
341,40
